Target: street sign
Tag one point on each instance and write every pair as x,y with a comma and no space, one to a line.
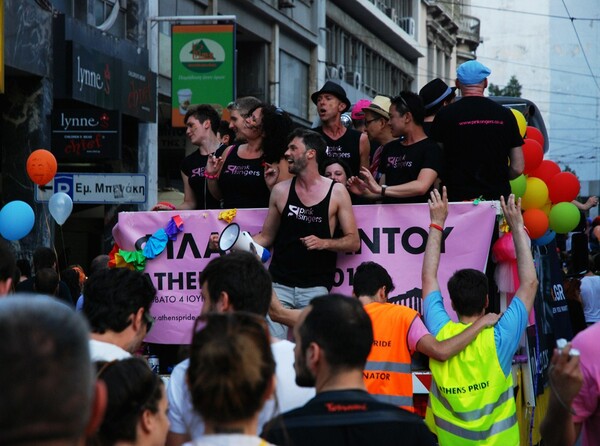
101,188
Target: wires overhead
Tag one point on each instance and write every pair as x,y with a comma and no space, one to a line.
581,45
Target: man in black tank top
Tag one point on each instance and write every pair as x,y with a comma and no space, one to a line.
303,214
348,144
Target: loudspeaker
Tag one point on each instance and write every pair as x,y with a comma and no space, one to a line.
234,239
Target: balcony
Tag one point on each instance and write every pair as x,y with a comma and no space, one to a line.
468,31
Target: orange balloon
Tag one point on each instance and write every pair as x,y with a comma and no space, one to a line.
41,166
536,221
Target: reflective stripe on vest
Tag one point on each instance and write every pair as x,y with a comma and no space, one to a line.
404,401
388,366
467,434
387,373
473,414
471,400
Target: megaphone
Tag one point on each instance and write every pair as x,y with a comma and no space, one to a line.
234,239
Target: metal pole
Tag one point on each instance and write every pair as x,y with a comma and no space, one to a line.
194,18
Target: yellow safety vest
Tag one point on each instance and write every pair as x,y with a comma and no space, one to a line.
471,401
387,374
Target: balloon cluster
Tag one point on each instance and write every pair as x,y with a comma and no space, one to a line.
17,217
546,192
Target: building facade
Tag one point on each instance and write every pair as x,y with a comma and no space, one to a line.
62,56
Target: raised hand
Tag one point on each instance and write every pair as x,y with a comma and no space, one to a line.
438,206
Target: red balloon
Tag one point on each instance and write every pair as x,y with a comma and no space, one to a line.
563,186
533,154
535,134
41,166
546,170
536,221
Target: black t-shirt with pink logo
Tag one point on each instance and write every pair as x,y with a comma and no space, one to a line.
242,182
402,164
346,148
193,167
292,264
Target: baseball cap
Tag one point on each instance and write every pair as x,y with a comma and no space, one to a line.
357,109
380,106
472,72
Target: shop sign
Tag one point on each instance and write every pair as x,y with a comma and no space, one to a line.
85,134
97,188
203,68
110,83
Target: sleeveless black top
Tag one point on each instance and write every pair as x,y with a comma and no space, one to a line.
293,265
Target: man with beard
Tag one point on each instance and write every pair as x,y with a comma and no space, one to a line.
304,212
334,336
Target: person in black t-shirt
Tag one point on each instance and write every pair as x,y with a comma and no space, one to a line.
334,336
202,123
348,144
436,94
479,137
409,167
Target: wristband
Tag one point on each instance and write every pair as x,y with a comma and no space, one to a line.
210,177
438,227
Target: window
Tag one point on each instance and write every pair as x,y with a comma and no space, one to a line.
293,93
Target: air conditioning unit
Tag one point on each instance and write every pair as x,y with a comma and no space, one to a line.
341,72
332,73
354,78
391,13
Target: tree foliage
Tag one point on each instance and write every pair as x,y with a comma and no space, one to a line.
513,88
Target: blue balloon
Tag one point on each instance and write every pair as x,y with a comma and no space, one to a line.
544,239
16,220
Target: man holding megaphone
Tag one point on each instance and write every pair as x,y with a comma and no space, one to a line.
304,213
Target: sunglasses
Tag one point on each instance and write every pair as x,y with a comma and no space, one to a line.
403,101
149,320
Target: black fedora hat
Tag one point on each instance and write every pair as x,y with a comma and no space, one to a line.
435,92
334,89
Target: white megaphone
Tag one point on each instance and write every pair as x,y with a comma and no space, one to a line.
234,239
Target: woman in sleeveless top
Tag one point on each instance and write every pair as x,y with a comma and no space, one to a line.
238,176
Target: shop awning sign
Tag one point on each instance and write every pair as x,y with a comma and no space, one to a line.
97,188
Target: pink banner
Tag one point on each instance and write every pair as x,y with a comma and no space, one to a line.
391,235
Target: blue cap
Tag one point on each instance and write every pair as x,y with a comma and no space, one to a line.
472,72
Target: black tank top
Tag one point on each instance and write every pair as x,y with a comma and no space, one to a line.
346,148
293,265
242,182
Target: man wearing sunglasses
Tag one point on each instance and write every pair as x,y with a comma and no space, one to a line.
117,305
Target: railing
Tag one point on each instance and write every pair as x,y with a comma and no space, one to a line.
469,28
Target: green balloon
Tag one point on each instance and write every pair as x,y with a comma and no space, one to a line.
564,217
518,185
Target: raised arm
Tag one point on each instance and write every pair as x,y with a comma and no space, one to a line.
528,282
438,211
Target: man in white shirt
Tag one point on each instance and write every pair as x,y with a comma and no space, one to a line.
235,282
117,306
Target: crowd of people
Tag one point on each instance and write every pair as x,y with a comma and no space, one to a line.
75,377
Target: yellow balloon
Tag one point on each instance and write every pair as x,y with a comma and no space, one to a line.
521,121
536,194
547,207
